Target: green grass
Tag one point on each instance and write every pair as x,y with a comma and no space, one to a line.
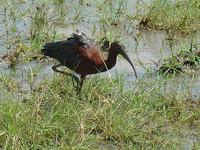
108,113
105,112
185,60
169,15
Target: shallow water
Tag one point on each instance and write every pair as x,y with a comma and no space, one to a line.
145,48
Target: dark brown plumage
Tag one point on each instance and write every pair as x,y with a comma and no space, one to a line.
81,54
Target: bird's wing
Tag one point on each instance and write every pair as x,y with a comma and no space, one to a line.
88,49
91,54
83,39
78,46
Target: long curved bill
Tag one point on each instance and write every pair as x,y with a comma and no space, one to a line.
124,54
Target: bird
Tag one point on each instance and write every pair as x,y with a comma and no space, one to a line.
83,56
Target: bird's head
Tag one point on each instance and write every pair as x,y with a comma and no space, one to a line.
119,48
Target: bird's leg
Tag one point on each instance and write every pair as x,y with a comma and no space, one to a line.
54,68
75,79
80,84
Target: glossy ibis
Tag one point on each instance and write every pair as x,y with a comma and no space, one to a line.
82,55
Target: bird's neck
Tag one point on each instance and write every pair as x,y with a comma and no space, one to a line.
111,59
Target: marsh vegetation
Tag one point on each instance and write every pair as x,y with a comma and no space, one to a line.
39,109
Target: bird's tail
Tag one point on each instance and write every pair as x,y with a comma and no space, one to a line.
48,47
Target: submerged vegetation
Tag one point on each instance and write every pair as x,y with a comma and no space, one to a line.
183,62
45,113
29,28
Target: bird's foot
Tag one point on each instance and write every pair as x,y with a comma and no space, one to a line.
75,81
79,83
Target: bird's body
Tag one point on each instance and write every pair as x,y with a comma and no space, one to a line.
80,54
